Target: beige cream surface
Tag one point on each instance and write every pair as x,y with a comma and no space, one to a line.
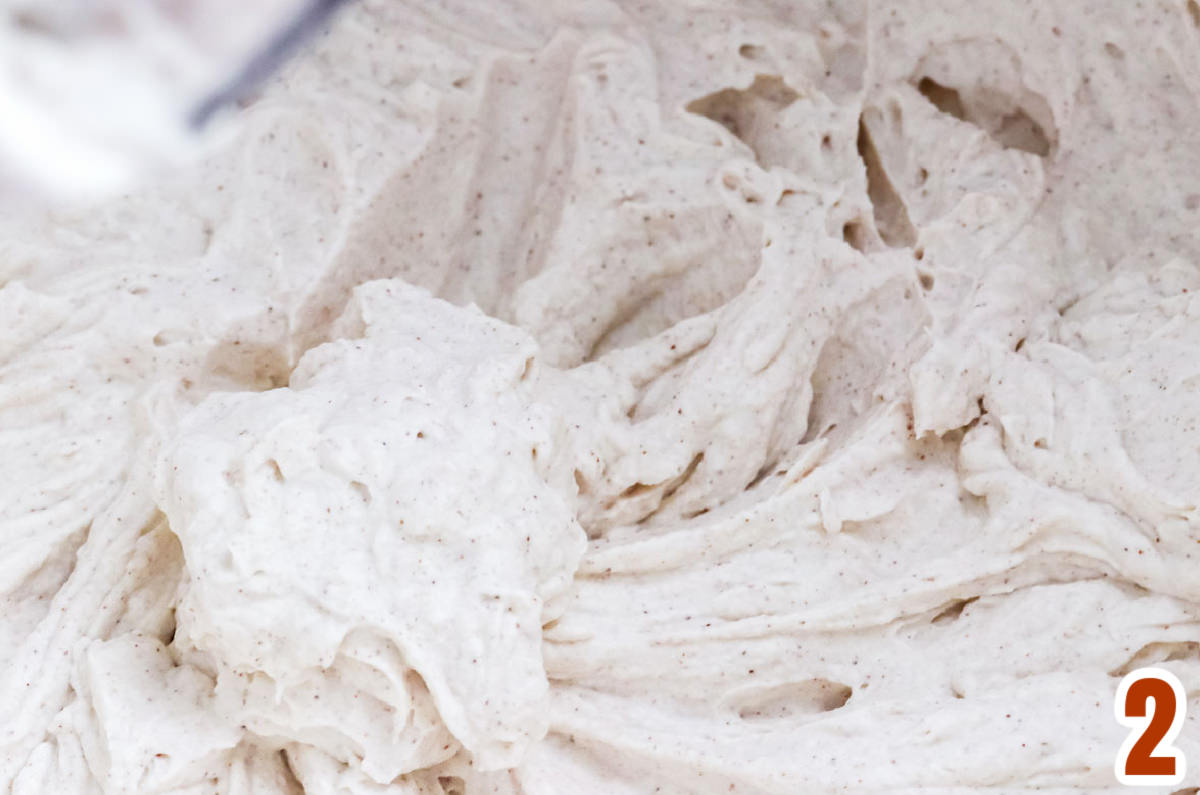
614,397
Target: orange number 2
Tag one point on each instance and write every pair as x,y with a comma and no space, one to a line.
1151,702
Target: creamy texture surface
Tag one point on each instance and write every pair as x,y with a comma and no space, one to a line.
577,397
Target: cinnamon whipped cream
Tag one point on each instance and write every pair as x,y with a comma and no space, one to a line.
577,397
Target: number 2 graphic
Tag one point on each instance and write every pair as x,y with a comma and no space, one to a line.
1151,702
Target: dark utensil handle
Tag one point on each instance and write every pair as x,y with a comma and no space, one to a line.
306,24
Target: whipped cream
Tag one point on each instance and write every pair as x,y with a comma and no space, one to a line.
620,398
